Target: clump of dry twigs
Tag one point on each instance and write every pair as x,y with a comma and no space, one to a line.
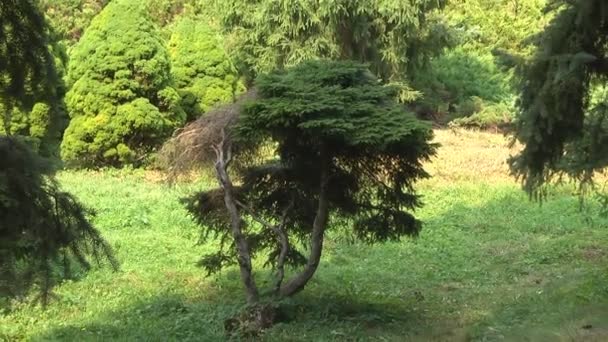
192,147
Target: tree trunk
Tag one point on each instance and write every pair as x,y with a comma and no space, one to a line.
284,241
297,283
244,256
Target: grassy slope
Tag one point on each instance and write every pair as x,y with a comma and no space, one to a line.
488,265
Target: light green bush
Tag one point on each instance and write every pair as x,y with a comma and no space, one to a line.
456,77
202,71
120,102
477,113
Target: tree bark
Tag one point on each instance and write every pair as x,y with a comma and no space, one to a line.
223,152
282,238
298,282
284,241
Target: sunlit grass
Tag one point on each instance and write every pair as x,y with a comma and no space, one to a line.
488,265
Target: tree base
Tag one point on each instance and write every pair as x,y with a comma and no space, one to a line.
253,320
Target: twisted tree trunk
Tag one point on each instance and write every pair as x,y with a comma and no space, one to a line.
224,156
298,282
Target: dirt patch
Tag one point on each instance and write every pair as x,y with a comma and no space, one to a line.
471,155
594,253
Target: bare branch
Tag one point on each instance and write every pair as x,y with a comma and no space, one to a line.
188,149
284,241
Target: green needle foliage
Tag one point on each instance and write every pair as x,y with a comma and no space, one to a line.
472,83
336,116
345,150
121,102
39,114
202,71
563,97
26,64
43,231
391,35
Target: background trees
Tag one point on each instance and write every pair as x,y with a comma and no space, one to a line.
121,102
69,18
472,83
563,97
390,35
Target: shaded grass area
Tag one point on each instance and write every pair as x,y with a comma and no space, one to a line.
489,265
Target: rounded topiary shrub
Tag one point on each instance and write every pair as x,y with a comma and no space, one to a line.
120,101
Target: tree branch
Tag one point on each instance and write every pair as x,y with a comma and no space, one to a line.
279,230
242,247
284,241
253,215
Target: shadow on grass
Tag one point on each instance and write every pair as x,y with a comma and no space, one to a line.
176,318
503,268
158,319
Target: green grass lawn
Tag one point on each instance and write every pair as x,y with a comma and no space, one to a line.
489,265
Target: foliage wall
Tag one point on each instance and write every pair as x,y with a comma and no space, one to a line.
391,35
452,59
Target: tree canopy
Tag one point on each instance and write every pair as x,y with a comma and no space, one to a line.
563,98
391,35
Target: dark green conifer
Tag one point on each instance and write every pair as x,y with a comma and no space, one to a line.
345,149
563,99
44,231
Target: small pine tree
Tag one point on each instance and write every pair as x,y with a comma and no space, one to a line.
120,100
345,148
